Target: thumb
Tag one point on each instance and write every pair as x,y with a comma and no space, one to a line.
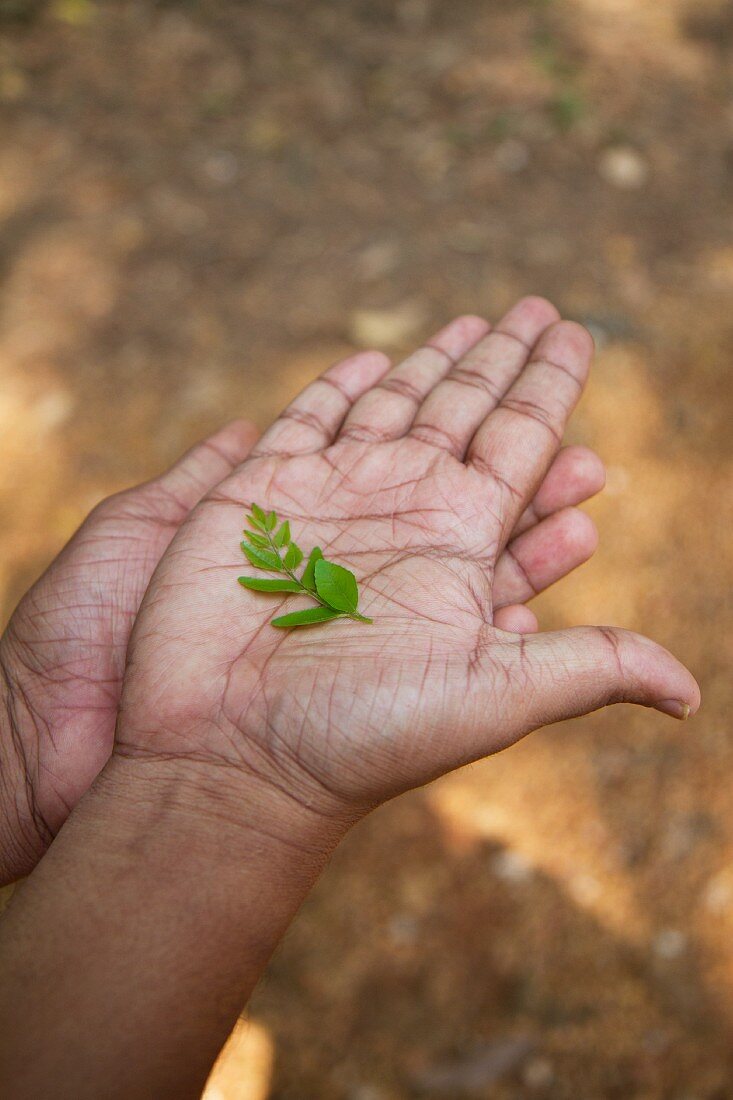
572,672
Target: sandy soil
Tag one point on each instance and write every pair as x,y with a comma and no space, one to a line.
202,204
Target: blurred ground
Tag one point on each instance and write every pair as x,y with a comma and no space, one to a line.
202,204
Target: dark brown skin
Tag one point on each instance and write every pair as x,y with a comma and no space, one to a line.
244,754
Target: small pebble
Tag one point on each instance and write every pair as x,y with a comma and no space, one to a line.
538,1073
511,867
221,168
403,930
585,888
367,1092
670,943
624,168
511,155
718,894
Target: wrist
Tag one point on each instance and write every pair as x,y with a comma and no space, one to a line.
237,773
230,814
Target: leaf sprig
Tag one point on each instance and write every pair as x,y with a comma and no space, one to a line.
270,547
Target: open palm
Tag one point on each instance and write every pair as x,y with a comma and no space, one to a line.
416,480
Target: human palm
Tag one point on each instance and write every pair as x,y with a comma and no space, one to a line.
416,481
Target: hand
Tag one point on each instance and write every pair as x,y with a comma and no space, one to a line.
415,479
62,657
244,752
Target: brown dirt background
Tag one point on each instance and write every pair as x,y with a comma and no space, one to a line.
201,205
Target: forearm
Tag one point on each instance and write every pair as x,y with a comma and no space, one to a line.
127,955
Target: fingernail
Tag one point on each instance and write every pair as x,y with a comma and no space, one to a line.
674,707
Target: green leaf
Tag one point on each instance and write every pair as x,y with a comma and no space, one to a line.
309,617
261,584
337,586
270,547
262,559
255,539
282,536
308,580
293,556
258,518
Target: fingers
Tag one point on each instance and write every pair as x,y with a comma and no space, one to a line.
388,409
451,413
203,466
516,619
516,444
542,555
313,419
576,475
571,672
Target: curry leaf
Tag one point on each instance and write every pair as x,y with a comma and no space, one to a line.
263,559
255,539
258,584
282,535
332,587
308,579
309,617
293,557
258,518
336,586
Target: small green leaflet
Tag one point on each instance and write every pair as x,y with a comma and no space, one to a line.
309,617
336,586
257,540
282,536
258,518
308,580
263,585
332,587
262,559
293,556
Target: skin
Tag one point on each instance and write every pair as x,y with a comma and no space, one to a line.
244,753
62,657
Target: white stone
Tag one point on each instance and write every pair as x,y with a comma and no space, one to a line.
623,167
670,943
511,866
